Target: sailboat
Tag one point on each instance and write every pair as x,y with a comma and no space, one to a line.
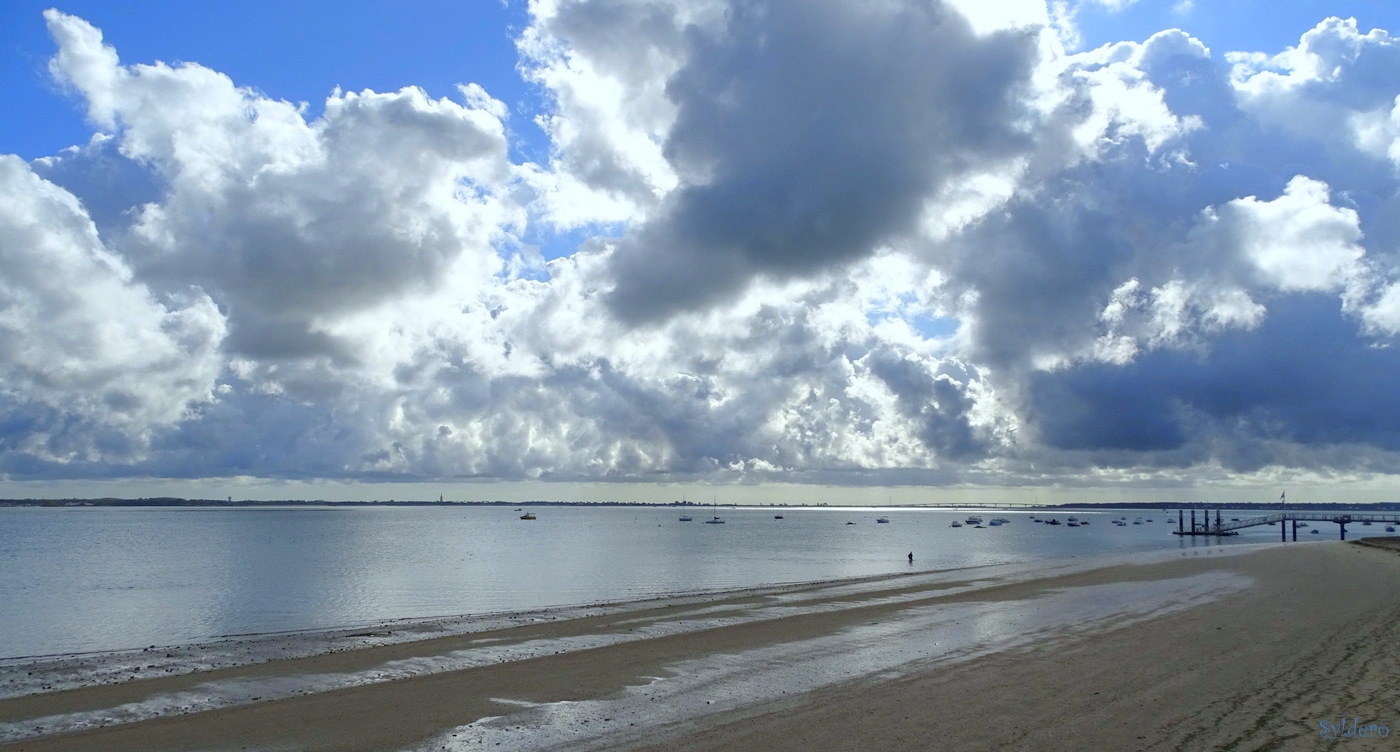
715,520
685,517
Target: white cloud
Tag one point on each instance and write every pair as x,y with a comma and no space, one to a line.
1335,79
91,364
1298,241
290,224
1384,315
606,64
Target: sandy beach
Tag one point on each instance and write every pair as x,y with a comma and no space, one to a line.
1238,647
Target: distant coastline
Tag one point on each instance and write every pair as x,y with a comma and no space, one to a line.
170,501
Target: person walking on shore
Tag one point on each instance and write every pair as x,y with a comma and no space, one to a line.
911,557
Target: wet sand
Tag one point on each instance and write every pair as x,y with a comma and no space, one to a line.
1237,647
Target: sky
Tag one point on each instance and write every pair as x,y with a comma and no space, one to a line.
779,252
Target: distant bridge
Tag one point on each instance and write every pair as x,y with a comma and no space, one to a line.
1233,526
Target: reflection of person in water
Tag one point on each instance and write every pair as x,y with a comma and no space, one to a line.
911,557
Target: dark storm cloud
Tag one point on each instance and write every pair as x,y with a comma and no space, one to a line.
1302,378
807,134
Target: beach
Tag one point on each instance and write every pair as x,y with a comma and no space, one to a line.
1232,647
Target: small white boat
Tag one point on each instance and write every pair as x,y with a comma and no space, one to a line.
686,518
528,516
1072,524
882,519
714,520
955,524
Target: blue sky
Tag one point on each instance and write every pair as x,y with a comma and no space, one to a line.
789,250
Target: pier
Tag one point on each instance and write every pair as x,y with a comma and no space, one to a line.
1221,527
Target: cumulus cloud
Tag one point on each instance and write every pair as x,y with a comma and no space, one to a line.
605,65
287,223
809,136
901,242
91,363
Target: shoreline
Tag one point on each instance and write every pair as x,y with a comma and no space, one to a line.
726,670
63,671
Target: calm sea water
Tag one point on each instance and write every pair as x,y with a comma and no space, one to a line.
82,579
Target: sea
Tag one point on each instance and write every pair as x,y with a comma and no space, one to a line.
85,579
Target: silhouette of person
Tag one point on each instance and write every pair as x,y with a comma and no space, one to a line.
911,557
